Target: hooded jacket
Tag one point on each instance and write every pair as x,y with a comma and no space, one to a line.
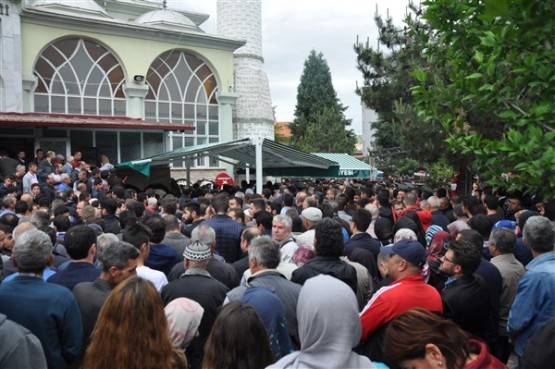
327,338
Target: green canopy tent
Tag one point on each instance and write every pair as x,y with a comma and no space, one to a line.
346,167
262,155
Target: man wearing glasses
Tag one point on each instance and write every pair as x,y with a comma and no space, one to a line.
465,295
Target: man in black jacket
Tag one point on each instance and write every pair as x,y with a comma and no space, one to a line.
109,207
198,285
465,296
328,244
360,239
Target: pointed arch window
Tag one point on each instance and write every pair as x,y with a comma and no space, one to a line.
81,77
182,90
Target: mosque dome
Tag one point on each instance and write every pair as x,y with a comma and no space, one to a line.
166,17
86,6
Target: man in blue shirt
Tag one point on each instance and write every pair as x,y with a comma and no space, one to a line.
161,256
228,231
80,244
49,311
534,304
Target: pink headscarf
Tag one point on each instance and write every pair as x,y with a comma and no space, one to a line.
183,317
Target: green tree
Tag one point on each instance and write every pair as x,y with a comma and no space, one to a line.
386,70
320,124
496,103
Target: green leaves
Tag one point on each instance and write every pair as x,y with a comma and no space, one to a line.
497,104
479,56
488,40
419,74
495,8
475,76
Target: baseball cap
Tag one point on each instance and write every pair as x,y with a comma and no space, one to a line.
410,250
508,224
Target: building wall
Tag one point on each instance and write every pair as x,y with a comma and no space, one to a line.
135,46
135,53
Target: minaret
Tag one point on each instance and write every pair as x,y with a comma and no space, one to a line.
12,86
252,116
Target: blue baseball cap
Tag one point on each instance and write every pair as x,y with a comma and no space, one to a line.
410,250
508,224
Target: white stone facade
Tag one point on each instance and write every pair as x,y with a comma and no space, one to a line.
11,87
252,116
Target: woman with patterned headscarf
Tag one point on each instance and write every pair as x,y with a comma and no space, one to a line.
184,316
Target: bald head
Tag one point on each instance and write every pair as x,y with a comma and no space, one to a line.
28,199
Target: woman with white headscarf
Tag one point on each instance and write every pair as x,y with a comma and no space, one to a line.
329,327
183,317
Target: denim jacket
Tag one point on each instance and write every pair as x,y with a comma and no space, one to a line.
534,303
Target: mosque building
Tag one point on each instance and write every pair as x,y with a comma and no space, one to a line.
129,78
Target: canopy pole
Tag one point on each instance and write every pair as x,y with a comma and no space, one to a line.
188,174
248,173
258,150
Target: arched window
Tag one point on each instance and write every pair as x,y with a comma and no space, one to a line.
81,77
182,90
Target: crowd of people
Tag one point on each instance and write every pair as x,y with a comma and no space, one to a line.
326,274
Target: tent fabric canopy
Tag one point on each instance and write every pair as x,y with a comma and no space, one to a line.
277,160
243,151
345,166
348,165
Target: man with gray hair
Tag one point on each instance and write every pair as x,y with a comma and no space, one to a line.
375,212
217,267
65,182
281,232
534,303
48,310
104,240
264,258
40,218
119,262
501,246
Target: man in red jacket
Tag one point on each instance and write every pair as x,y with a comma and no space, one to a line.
405,261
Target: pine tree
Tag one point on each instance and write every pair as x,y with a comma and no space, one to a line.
320,124
388,76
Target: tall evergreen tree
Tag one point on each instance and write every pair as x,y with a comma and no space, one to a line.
320,124
387,71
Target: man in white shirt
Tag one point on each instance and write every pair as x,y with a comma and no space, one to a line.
139,236
30,177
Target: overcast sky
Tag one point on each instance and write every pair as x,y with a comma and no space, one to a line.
291,28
